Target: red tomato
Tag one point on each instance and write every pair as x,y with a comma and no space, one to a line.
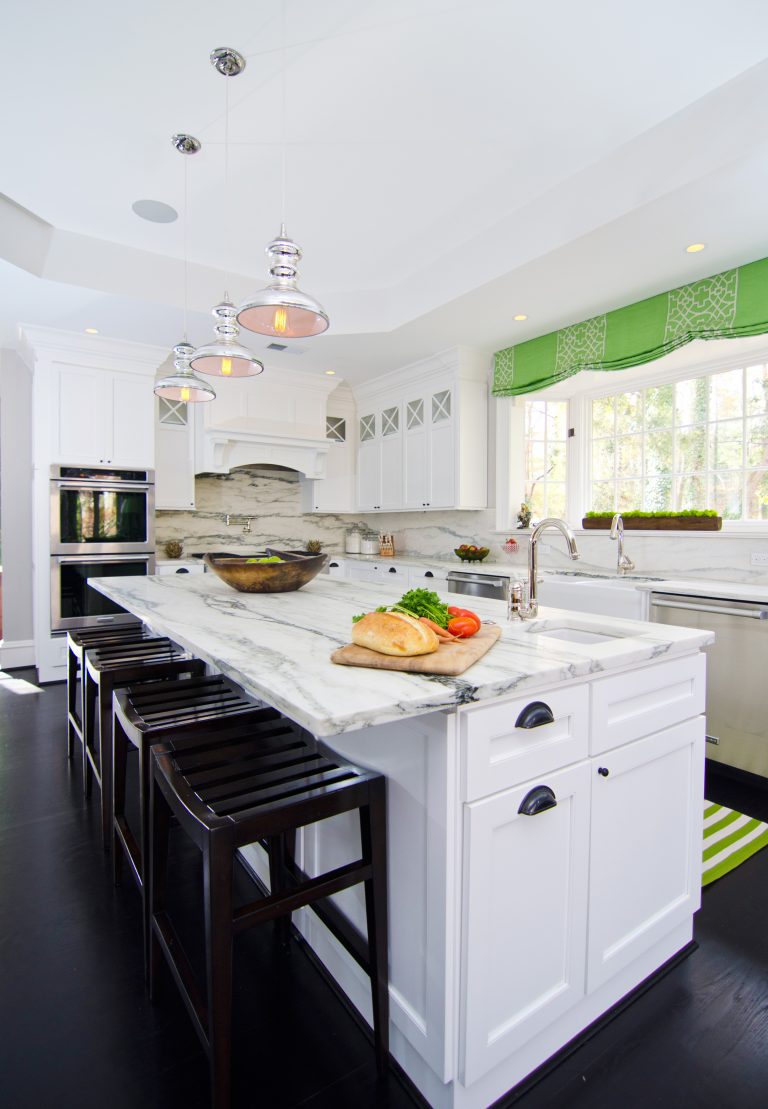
463,626
453,611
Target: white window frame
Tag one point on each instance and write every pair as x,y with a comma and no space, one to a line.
510,427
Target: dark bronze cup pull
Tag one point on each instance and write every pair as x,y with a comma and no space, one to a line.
534,715
537,800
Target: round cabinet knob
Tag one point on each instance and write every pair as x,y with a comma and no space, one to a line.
603,771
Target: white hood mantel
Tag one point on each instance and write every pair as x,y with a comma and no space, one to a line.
224,449
275,419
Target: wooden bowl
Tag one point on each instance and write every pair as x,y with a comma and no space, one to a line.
265,577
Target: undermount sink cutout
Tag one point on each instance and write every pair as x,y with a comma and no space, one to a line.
577,635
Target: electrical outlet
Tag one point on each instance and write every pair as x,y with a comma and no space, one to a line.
758,558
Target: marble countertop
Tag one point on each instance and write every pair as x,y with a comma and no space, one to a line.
277,646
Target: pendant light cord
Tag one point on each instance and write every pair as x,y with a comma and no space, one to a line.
282,108
186,251
227,272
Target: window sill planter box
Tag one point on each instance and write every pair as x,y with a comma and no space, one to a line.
657,523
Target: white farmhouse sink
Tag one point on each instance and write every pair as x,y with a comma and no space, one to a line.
601,596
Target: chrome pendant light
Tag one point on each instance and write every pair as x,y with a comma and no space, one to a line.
184,385
225,356
282,309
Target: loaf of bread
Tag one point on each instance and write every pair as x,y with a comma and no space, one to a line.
394,633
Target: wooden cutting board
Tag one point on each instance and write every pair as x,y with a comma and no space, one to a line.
450,659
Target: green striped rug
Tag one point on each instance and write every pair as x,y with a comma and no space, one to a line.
730,838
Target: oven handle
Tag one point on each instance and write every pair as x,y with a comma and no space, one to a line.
102,486
141,556
751,613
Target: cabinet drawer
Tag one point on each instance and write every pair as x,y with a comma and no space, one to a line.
629,706
498,752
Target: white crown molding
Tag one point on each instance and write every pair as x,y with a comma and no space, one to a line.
465,362
71,347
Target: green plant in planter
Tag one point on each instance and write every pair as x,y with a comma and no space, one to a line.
635,514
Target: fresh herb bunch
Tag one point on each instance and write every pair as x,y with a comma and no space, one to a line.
416,602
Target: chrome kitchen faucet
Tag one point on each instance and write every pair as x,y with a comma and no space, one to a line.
522,602
624,563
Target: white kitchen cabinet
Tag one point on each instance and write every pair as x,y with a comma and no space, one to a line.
103,418
646,840
380,458
524,916
558,905
174,456
336,491
436,456
429,448
172,567
423,577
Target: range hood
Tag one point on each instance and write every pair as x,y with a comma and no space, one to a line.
275,421
222,450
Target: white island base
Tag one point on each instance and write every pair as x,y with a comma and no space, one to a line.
511,933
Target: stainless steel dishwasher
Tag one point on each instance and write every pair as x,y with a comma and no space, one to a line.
737,673
493,586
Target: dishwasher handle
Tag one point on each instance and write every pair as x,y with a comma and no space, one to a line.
750,613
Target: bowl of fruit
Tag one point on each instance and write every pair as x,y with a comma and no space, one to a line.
468,552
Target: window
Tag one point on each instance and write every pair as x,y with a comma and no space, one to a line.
546,431
699,443
336,429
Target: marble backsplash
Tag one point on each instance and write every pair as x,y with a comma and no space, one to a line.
271,499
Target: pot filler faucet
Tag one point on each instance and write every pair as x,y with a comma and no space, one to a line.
522,598
624,563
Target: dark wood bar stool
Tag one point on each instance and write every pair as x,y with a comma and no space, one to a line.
228,795
105,667
78,641
150,713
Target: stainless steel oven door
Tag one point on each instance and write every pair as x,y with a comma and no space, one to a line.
75,605
104,518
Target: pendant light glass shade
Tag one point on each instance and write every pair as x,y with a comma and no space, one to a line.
225,357
281,309
184,385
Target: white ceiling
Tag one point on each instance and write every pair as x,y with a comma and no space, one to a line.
448,165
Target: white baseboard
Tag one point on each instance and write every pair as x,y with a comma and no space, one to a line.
17,652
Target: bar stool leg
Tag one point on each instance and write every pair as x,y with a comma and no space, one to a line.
373,836
90,691
159,834
72,668
218,861
278,883
119,767
105,759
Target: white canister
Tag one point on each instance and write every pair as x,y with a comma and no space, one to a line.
369,544
352,540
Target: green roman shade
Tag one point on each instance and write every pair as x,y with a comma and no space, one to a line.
726,306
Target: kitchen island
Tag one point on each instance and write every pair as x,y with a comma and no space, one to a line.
517,917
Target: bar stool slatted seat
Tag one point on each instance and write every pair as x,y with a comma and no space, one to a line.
105,667
78,642
152,712
241,792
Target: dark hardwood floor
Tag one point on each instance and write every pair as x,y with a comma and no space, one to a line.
77,1030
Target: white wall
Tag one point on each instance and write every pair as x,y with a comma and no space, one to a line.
16,509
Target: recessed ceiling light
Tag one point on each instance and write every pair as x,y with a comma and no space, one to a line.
91,331
520,317
331,373
694,248
155,211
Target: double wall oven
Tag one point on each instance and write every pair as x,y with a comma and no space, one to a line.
102,525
